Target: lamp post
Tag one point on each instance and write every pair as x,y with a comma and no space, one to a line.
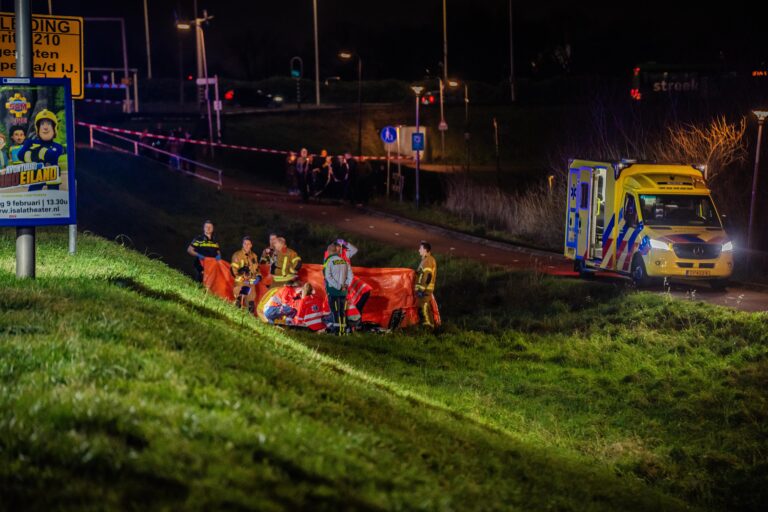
347,56
761,115
443,125
202,63
418,90
317,55
454,84
146,35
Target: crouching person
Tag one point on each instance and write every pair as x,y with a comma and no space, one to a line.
279,305
245,269
312,311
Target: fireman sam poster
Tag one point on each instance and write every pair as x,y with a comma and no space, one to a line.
37,144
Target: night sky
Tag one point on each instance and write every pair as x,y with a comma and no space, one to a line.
403,38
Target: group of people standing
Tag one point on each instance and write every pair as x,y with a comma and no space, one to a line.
292,302
323,176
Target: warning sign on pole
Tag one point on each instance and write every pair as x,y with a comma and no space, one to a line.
57,48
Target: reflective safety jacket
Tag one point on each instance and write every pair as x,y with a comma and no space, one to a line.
245,266
208,247
426,274
311,313
337,274
286,266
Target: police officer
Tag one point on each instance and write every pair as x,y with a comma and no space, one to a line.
426,275
245,269
204,246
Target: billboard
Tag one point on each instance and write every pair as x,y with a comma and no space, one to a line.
37,142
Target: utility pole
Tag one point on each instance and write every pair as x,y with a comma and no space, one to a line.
146,33
511,58
317,57
445,43
25,235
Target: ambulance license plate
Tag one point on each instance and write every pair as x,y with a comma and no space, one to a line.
697,273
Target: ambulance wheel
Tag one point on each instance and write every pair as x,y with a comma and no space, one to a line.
639,274
719,284
580,267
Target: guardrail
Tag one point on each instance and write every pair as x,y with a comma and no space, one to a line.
122,144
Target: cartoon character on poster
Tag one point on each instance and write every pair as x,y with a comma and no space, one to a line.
35,176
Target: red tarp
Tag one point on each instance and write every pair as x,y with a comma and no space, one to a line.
392,288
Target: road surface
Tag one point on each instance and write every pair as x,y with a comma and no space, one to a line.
407,234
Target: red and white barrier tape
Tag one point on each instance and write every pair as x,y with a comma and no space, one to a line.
207,143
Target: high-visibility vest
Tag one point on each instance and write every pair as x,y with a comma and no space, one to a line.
285,267
311,312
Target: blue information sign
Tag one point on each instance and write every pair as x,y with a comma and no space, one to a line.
389,134
417,141
37,176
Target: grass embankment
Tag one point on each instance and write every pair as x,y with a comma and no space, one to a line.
668,392
125,387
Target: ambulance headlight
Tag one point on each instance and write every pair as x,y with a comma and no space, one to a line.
658,244
727,247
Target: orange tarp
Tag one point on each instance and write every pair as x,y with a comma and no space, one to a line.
392,288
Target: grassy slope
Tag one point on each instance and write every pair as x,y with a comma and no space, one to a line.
124,386
670,392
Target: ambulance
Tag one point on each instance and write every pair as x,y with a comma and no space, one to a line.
645,220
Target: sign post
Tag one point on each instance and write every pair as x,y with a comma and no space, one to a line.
389,136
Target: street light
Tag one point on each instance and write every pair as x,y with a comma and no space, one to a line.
202,63
418,90
348,56
761,115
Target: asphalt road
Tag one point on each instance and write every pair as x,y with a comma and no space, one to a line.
407,234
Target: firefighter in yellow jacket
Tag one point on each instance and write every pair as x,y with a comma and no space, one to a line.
426,275
245,269
287,263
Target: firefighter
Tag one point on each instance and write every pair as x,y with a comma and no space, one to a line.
285,269
268,254
338,277
245,269
204,246
18,136
426,275
42,148
359,291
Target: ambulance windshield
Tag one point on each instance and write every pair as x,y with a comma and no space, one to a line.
678,210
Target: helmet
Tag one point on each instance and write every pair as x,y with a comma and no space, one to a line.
46,114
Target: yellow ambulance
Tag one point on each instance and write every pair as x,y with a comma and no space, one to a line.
645,220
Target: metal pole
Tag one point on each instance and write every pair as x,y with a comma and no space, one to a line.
754,182
207,95
511,57
445,43
135,91
146,32
399,165
442,120
317,58
498,157
359,106
218,107
125,68
466,123
50,7
25,236
417,153
389,172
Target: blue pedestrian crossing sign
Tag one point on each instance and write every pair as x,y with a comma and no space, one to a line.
417,141
389,134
